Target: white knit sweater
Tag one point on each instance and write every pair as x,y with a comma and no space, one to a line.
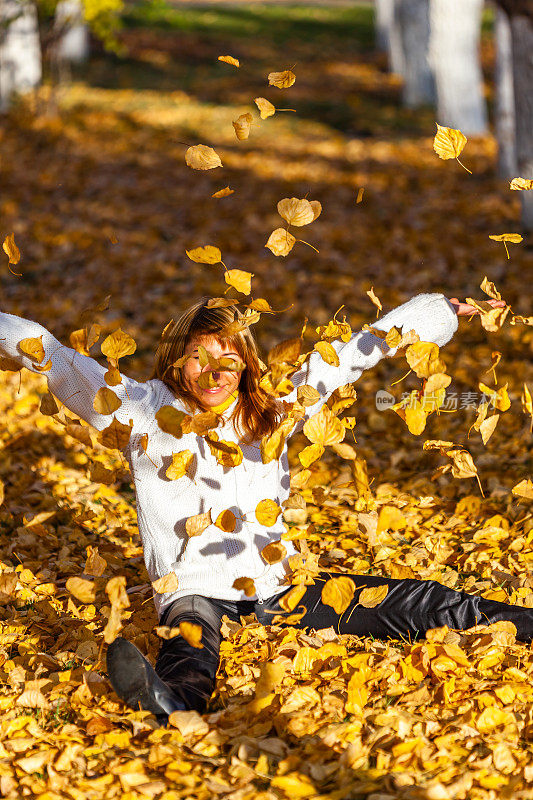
208,564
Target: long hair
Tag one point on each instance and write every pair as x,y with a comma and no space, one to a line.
257,413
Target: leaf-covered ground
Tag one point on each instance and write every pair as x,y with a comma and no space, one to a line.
101,202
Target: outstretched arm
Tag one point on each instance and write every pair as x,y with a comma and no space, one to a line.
73,378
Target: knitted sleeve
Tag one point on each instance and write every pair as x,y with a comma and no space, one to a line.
73,378
433,318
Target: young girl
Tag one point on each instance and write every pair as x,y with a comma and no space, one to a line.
208,565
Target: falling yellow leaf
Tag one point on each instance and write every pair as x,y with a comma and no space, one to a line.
202,157
230,60
514,238
82,589
11,249
299,212
280,242
170,420
48,405
225,192
423,358
282,79
449,143
499,398
328,353
242,125
375,299
310,454
116,435
179,465
360,195
266,109
105,401
166,584
524,489
488,426
95,565
527,403
324,428
192,633
290,600
338,593
267,512
205,255
372,596
239,279
226,521
245,585
117,345
197,524
489,288
521,184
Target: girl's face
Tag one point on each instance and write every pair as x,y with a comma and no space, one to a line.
227,383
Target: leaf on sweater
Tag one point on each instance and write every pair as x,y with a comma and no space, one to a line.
82,589
266,512
48,405
328,353
272,446
307,396
338,593
239,279
202,157
170,420
112,376
180,464
116,435
283,79
242,125
226,521
197,524
201,423
245,585
33,348
105,401
274,552
205,255
324,428
227,454
118,345
166,584
280,242
372,596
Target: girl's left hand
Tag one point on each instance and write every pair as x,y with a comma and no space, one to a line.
465,309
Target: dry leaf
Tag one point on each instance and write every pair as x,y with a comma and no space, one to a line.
280,242
373,596
274,552
299,212
166,584
266,109
105,401
82,589
225,192
245,585
33,348
180,464
226,521
200,156
198,523
230,60
242,125
338,593
205,255
117,345
239,279
11,249
267,512
521,184
281,79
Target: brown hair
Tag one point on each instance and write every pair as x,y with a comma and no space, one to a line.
257,413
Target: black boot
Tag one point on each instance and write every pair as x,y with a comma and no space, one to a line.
136,682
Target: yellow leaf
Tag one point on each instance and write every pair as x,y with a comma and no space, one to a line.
225,192
423,358
170,419
360,194
357,693
239,279
82,589
205,255
324,428
391,519
290,600
514,238
489,288
198,523
116,591
462,464
372,597
338,593
99,474
11,249
48,405
166,584
200,156
189,723
521,184
245,585
272,446
286,351
227,454
274,552
524,489
117,345
448,142
374,298
116,435
105,401
310,454
242,126
299,480
226,521
33,348
499,398
180,464
280,242
32,698
266,109
328,353
192,633
494,717
307,395
299,212
266,512
488,426
230,60
112,376
95,565
282,79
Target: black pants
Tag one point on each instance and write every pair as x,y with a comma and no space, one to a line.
410,608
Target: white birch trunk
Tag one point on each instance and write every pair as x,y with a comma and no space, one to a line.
388,35
504,101
454,57
413,18
522,45
20,49
73,44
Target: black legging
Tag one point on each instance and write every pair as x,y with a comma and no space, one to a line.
410,608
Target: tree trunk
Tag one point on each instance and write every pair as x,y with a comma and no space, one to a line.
388,36
419,86
73,42
20,49
522,45
504,106
454,42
